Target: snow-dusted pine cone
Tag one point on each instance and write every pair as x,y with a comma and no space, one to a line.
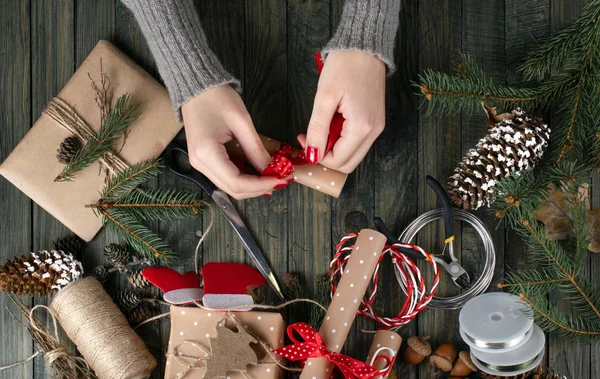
128,300
137,280
513,145
117,255
72,245
39,273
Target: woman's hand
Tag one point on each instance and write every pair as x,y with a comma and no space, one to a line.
214,118
352,83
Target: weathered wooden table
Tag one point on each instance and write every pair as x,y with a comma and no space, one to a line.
268,44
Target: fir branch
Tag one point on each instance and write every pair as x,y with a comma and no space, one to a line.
125,182
113,127
465,90
582,35
155,204
142,239
550,319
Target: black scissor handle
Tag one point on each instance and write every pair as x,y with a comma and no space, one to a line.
178,162
446,206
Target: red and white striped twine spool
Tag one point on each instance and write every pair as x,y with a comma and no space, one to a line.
407,271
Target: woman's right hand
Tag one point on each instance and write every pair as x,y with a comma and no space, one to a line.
214,118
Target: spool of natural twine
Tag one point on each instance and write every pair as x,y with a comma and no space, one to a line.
101,332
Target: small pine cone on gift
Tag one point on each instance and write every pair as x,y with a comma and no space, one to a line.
141,314
39,273
117,255
128,300
67,149
137,280
71,245
514,144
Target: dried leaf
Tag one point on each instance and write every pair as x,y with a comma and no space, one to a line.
594,217
230,351
555,215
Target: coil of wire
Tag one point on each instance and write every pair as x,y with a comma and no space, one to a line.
484,279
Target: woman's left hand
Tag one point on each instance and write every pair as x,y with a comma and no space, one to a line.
352,83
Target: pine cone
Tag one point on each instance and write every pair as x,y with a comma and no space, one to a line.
513,145
39,273
72,244
68,148
128,300
101,273
141,314
137,280
117,255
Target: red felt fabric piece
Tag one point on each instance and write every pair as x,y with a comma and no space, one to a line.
230,278
167,279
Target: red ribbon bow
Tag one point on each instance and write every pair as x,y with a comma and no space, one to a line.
282,163
312,347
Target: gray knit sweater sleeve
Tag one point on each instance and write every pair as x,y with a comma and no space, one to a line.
188,67
368,26
179,46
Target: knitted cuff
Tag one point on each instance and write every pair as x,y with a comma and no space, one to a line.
368,26
186,64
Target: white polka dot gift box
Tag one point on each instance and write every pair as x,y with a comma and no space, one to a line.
197,333
317,177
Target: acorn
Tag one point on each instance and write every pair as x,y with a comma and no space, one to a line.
443,357
463,365
418,348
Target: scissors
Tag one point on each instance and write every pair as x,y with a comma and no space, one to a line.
457,272
183,169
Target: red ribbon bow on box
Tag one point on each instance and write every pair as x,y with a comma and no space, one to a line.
313,347
282,163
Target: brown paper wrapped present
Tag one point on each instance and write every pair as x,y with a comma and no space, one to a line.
32,166
195,332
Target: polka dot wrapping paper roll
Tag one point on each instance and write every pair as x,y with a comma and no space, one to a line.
317,177
386,343
200,325
342,310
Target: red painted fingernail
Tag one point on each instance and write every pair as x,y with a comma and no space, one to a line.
280,186
312,155
268,194
290,180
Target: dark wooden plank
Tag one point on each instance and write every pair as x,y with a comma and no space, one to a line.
223,23
265,96
309,231
527,22
15,218
52,51
568,357
439,146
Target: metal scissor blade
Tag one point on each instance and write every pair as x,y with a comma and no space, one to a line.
223,202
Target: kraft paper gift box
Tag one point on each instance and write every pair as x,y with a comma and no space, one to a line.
192,325
32,166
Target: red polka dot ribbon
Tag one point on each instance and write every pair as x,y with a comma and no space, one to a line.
282,162
311,346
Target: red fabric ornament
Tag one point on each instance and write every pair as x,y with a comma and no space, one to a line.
311,346
230,278
167,279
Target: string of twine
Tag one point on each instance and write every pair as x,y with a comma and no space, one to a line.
100,331
66,117
57,356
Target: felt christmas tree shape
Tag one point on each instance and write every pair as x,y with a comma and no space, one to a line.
230,352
